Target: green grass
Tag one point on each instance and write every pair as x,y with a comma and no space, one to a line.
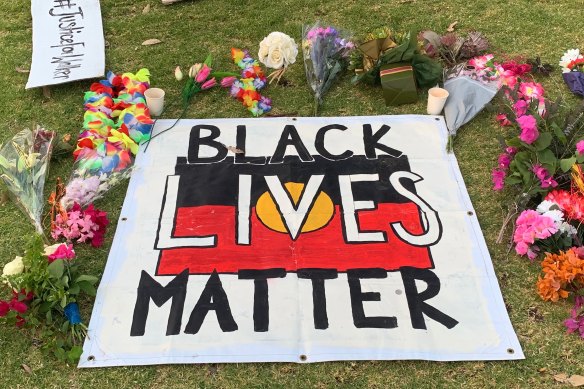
189,31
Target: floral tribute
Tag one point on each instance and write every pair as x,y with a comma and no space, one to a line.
246,88
572,64
45,286
326,53
116,121
277,51
542,164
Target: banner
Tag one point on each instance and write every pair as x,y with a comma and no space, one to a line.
67,42
298,239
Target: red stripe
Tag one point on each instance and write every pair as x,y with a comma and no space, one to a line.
395,70
324,248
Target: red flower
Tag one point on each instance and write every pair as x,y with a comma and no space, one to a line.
18,306
20,321
23,295
4,308
100,88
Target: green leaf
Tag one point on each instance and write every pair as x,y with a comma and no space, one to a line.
56,269
580,158
91,279
63,301
87,288
567,163
543,142
209,61
74,290
512,180
513,142
546,157
74,354
559,133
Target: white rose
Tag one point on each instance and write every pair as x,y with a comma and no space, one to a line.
13,268
264,50
290,51
275,58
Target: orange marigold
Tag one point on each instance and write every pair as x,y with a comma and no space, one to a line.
561,272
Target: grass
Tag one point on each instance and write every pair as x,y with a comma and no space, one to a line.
190,30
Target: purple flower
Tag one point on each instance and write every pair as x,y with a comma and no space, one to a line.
265,104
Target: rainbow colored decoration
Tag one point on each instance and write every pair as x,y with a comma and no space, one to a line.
246,88
115,122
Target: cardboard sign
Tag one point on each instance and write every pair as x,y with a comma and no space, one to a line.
67,42
325,239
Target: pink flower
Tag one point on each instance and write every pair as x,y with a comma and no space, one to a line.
576,321
64,251
480,63
504,160
203,74
511,150
18,306
531,90
209,84
520,108
546,180
502,119
580,147
528,126
228,81
498,179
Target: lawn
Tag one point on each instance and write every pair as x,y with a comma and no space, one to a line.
189,31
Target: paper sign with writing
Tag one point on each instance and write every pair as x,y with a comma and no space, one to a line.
67,42
323,239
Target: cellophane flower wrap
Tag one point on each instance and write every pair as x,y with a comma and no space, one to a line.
116,121
326,52
572,64
24,165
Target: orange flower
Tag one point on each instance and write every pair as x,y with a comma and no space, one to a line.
562,271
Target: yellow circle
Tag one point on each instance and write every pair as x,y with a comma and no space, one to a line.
318,216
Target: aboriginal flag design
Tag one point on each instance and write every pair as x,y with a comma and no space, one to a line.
245,209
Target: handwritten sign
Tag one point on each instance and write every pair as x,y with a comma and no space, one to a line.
68,42
324,239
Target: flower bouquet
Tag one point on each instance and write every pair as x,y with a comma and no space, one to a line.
572,64
45,285
326,52
277,51
24,163
452,48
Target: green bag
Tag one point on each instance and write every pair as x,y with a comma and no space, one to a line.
398,83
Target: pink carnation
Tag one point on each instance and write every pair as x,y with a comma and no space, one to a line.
498,179
520,108
529,227
580,147
528,125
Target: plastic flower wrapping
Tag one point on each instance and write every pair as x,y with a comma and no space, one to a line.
246,88
24,164
572,64
116,121
326,53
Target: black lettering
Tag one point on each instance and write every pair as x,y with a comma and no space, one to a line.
149,289
290,137
317,276
261,305
354,277
416,301
371,142
213,298
240,144
196,141
319,143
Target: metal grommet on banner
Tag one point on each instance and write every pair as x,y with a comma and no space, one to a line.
91,358
303,358
510,351
124,219
470,213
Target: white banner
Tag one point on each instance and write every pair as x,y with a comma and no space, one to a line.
67,42
298,240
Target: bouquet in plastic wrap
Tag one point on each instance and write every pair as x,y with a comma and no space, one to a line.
116,121
24,164
326,52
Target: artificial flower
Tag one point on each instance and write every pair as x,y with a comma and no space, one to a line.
580,147
531,90
498,179
63,251
569,57
178,74
16,266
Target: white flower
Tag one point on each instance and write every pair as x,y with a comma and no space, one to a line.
568,228
277,50
178,74
569,56
546,205
49,250
13,268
